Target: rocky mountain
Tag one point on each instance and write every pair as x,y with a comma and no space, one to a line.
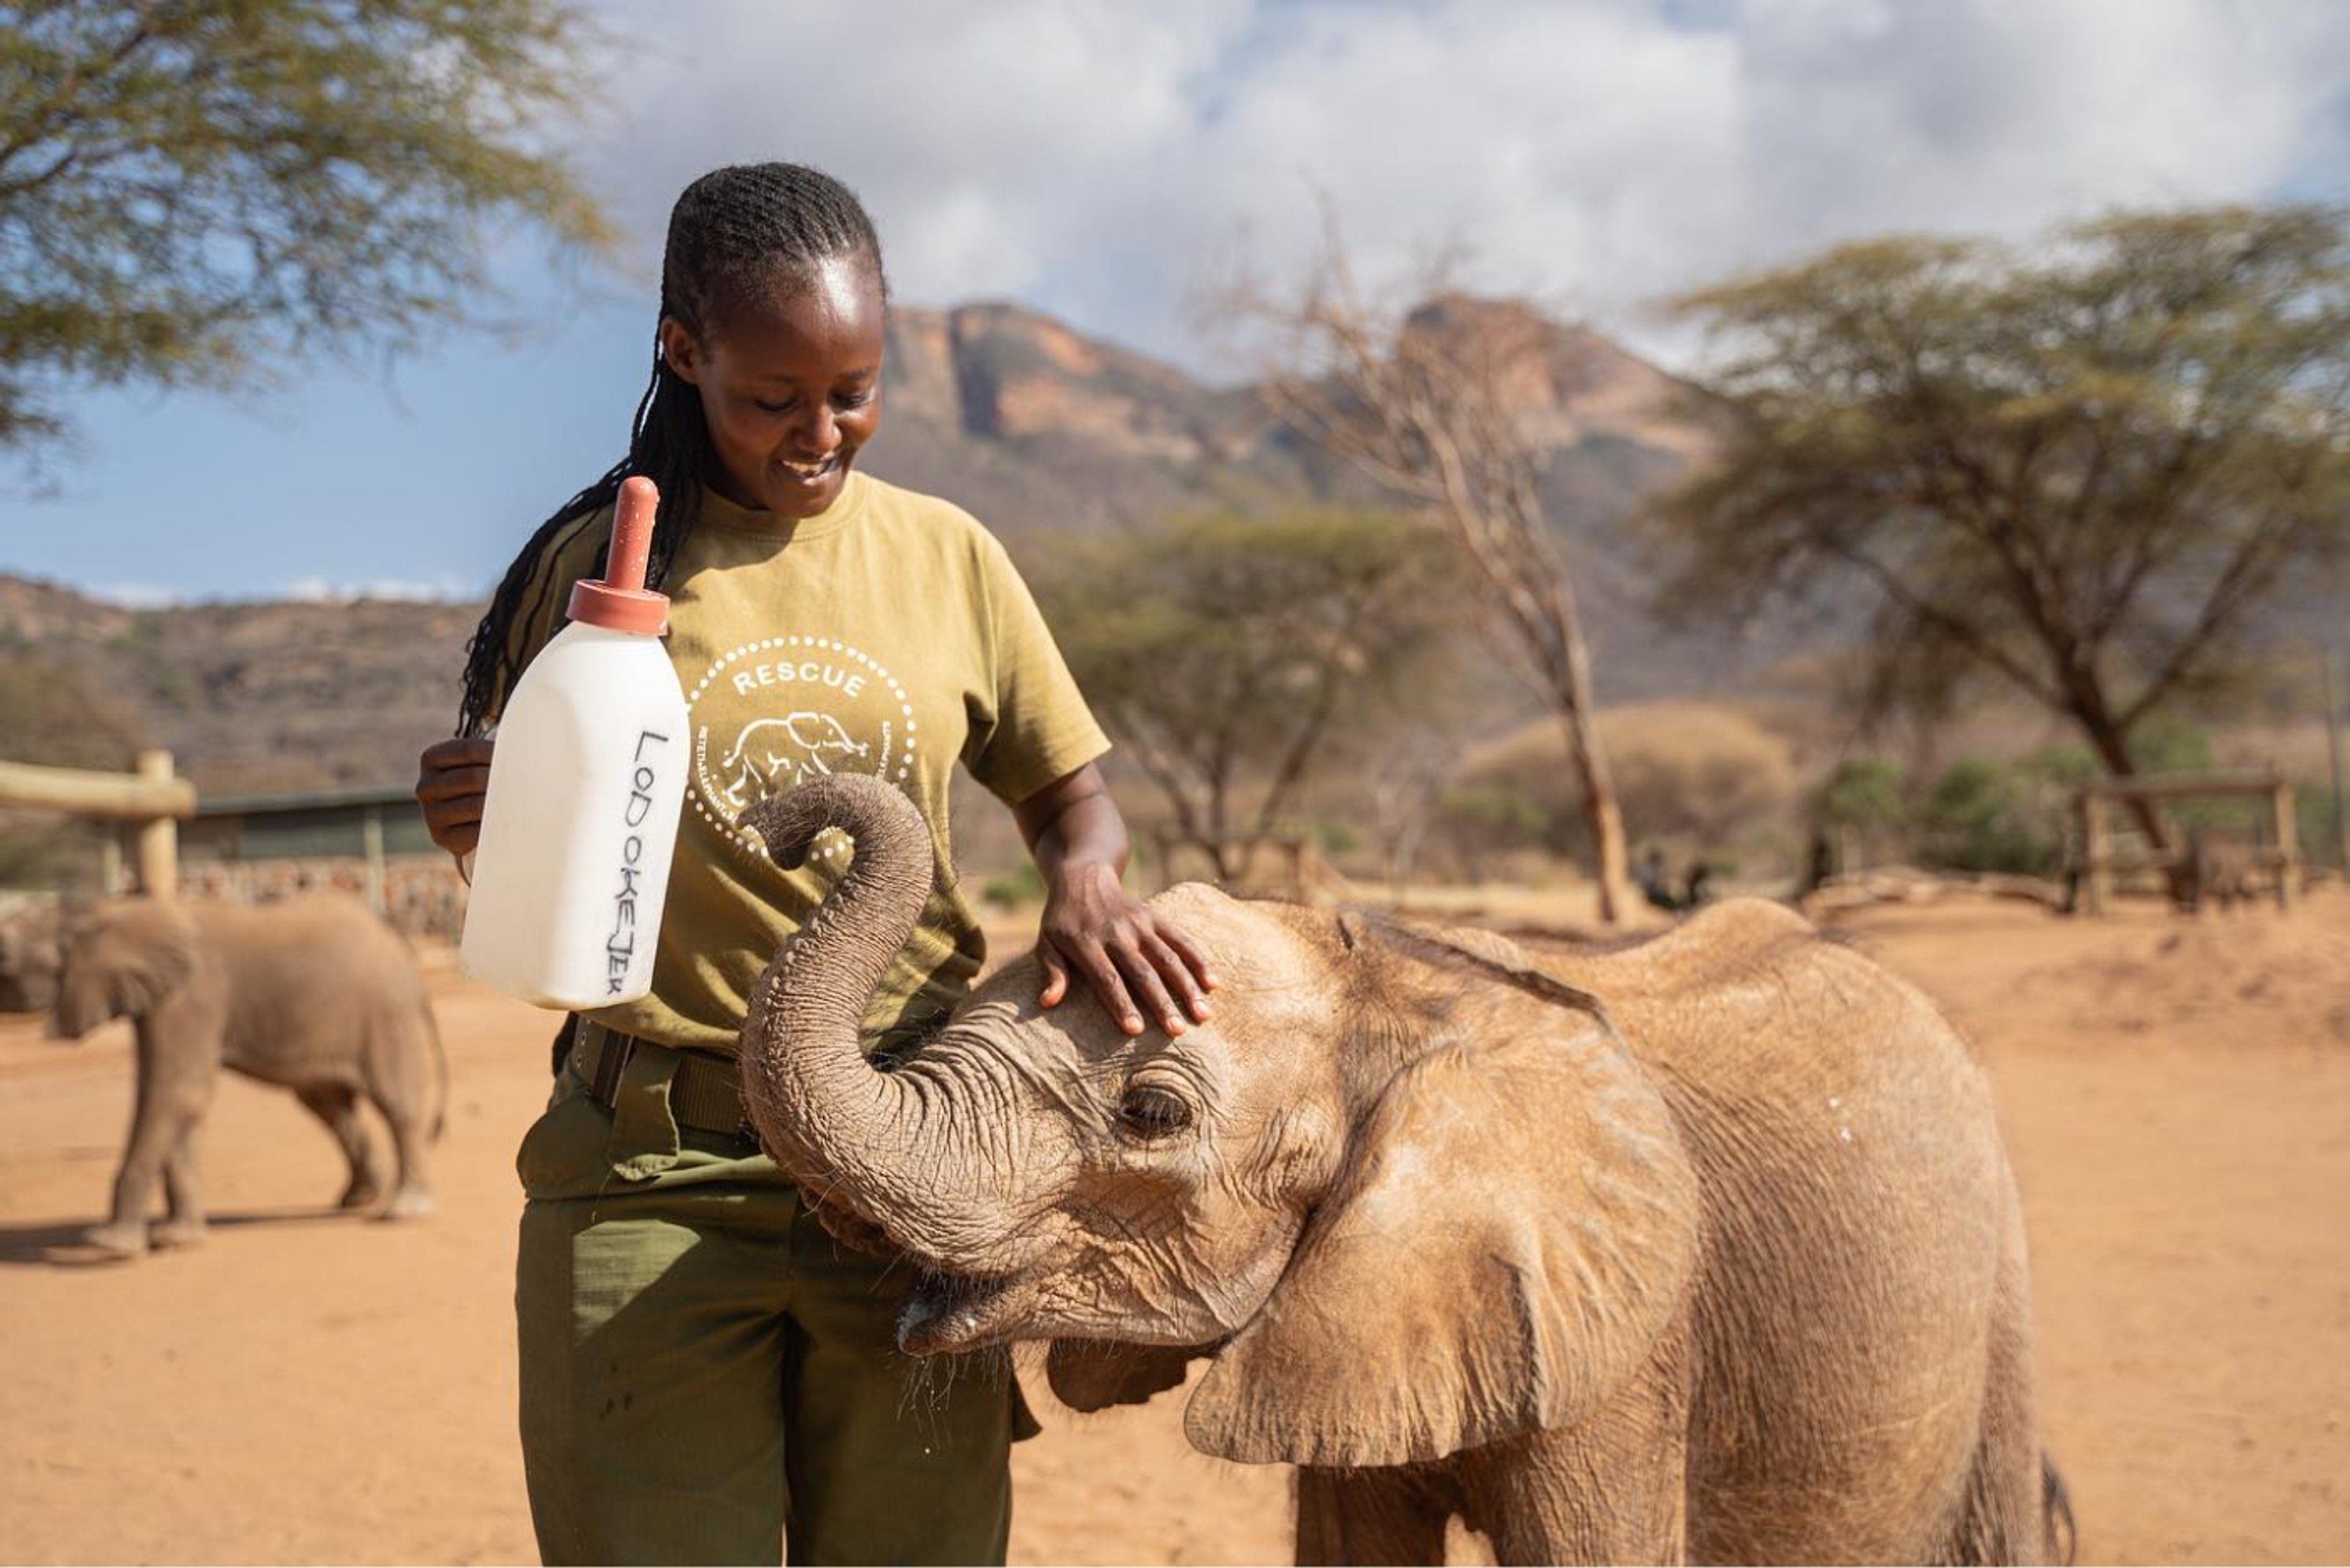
1034,427
248,697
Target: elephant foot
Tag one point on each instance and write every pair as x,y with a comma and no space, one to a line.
178,1234
409,1203
125,1239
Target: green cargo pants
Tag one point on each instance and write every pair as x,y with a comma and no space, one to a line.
708,1378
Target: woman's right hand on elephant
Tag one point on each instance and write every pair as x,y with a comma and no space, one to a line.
453,778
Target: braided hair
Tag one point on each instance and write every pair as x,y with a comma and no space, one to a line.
732,235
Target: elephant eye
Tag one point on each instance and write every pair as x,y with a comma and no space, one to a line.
1153,1113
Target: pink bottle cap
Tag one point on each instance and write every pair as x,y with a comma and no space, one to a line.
621,602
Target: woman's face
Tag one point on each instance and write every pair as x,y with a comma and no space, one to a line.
790,384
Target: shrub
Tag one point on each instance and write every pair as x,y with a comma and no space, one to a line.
1021,885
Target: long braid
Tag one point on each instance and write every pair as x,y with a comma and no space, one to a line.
737,235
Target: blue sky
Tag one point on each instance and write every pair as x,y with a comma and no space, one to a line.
1097,158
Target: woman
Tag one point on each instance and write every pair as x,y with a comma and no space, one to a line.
704,1372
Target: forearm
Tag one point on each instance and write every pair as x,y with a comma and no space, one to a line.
1126,952
1085,833
1075,826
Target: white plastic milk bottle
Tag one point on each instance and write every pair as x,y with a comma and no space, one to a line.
585,785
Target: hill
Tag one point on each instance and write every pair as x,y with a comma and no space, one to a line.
1033,426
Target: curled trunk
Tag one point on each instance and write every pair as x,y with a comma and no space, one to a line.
882,1145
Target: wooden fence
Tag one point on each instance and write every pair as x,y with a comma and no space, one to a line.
2101,859
154,798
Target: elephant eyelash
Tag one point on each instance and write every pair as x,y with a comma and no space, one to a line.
1148,1113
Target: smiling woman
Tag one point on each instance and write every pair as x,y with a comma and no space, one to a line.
703,1374
791,387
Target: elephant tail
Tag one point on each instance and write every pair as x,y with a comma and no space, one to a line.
2062,1536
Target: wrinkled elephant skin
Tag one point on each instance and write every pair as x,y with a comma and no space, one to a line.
1705,1248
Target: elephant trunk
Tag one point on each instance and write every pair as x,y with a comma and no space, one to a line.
885,1146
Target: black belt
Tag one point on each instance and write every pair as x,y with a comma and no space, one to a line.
705,1093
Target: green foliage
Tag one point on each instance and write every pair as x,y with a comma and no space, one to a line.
1978,816
2083,467
1975,815
1492,818
1021,885
2314,828
1335,838
2066,768
1863,794
1222,650
2167,743
192,190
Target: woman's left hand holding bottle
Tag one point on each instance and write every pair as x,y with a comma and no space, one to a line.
452,779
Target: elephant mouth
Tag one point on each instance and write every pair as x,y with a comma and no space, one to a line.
948,1313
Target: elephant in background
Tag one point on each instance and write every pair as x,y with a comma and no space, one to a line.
29,959
2219,868
313,993
1705,1248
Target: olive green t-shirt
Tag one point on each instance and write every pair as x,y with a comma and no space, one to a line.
890,634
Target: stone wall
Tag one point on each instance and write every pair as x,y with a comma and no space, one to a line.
422,895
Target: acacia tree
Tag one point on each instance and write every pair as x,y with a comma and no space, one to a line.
2083,468
191,190
1427,404
1226,652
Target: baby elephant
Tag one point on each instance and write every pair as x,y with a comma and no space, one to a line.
1701,1250
2218,870
314,993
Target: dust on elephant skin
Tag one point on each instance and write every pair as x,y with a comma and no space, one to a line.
1704,1248
314,994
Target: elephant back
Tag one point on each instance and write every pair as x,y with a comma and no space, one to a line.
314,984
1863,1234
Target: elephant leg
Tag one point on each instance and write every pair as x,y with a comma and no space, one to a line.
1370,1517
2014,1508
1611,1489
125,1231
411,1193
338,1105
172,1087
183,1193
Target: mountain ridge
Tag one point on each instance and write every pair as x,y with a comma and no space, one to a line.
1030,425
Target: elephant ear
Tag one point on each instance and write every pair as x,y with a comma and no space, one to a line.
1089,1375
122,961
1513,1237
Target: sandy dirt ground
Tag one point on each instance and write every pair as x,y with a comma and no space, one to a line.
308,1386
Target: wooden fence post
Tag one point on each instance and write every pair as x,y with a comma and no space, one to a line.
2097,852
2288,839
158,836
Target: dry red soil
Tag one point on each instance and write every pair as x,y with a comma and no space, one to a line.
310,1388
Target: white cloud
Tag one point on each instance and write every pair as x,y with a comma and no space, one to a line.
311,590
138,596
1088,155
320,590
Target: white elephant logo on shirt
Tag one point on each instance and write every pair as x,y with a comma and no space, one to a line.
781,753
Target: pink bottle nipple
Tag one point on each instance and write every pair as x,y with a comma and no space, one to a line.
620,602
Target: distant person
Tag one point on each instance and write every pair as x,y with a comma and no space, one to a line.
1654,884
1819,865
705,1375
